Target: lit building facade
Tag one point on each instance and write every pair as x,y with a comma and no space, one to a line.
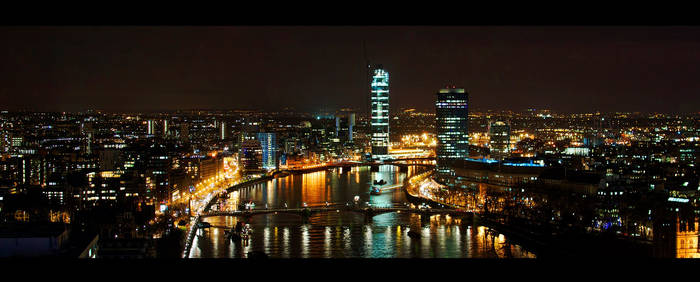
248,131
223,131
250,157
268,144
687,239
452,121
499,143
380,112
151,127
5,141
344,127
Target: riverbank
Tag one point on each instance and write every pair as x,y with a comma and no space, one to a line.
343,234
193,227
548,239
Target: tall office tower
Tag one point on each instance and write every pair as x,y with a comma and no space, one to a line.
452,121
351,126
250,156
248,131
88,147
290,145
223,130
151,127
344,125
268,142
379,99
5,140
499,133
88,131
165,127
322,131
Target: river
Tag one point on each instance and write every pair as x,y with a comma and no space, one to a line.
345,234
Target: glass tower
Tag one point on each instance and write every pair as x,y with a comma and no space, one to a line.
268,142
452,121
380,112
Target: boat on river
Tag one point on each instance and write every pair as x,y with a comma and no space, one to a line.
375,191
238,232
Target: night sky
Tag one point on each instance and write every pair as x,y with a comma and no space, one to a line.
566,69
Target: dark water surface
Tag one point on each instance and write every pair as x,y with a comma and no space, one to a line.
345,234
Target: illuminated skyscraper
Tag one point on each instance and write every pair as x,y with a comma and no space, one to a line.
250,157
452,121
344,126
223,130
499,133
380,112
165,128
268,142
5,141
151,127
248,131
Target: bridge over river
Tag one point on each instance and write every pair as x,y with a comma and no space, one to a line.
369,212
354,186
403,165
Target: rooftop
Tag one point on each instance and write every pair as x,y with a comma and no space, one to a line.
31,230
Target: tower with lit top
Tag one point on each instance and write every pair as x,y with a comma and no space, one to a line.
452,121
379,100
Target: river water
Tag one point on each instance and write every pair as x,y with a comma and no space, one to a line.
345,234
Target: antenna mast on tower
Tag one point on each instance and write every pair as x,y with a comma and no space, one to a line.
368,75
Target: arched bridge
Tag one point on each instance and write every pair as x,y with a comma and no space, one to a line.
401,163
369,212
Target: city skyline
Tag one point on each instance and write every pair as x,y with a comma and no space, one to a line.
565,69
301,150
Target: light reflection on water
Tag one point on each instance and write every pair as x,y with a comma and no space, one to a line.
346,234
384,237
